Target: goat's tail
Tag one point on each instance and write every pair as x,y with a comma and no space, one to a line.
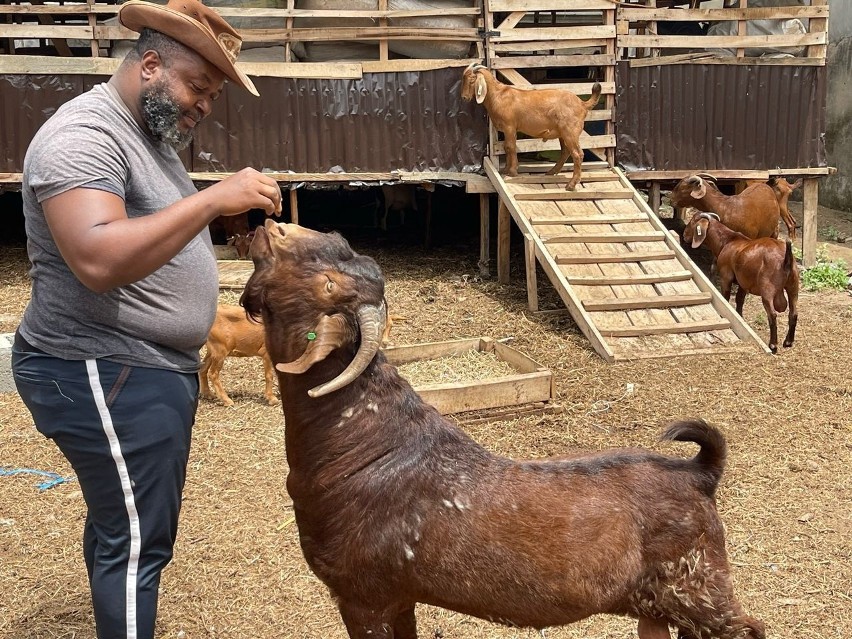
789,259
714,450
592,102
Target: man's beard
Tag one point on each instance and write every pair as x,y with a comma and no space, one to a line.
162,114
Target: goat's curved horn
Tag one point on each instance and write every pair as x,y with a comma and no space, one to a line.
708,176
710,215
371,321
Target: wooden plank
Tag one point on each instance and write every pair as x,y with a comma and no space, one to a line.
563,178
504,233
656,301
722,42
548,5
528,146
680,327
484,235
556,35
616,258
538,61
512,390
637,14
547,45
399,355
32,30
530,266
515,358
599,238
722,174
599,219
647,278
576,195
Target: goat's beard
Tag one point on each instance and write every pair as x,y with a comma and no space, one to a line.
161,113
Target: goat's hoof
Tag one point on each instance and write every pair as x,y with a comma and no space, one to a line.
229,403
773,348
570,187
271,401
788,344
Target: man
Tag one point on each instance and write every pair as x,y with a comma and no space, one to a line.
124,291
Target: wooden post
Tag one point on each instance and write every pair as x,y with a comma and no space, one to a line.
484,234
504,231
294,206
532,281
609,76
810,201
654,198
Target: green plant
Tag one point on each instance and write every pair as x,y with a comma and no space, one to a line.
831,233
825,274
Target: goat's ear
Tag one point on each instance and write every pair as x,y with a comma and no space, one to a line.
699,189
700,233
795,185
481,88
260,250
331,333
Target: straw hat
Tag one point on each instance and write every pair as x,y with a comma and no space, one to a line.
194,25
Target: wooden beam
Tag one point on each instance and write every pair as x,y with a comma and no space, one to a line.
532,282
504,231
294,206
680,327
622,194
484,234
598,219
810,207
653,301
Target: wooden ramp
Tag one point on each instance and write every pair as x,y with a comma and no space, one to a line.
625,279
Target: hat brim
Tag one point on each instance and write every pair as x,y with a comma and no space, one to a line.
136,15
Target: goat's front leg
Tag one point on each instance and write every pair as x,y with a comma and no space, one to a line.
510,144
362,623
202,375
405,626
269,375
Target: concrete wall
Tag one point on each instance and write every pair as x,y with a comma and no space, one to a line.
836,190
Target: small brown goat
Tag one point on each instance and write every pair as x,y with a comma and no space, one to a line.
397,505
754,212
783,189
764,267
241,242
233,334
544,113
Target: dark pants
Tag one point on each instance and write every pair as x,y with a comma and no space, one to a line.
126,432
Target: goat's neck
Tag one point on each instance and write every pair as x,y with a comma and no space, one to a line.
718,236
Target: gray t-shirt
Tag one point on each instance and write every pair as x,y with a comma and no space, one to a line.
160,321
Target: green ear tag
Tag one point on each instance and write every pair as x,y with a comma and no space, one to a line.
312,336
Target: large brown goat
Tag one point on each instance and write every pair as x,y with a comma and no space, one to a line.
754,212
542,113
396,505
764,267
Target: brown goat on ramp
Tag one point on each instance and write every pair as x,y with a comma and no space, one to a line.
396,505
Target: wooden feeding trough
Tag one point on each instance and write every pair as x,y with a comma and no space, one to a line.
530,383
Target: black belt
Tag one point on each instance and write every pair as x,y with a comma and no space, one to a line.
24,346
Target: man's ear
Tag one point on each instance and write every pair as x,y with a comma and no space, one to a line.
150,64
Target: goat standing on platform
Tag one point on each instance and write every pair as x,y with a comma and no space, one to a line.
763,266
541,113
396,505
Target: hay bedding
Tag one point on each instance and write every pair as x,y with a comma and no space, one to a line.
238,571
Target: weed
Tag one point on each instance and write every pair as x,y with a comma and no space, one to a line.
825,274
832,234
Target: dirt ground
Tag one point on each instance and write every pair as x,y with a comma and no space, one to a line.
238,571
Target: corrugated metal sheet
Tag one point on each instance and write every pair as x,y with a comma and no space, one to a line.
385,121
693,116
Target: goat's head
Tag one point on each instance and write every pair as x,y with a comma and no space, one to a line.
695,231
691,188
316,296
241,243
473,83
782,187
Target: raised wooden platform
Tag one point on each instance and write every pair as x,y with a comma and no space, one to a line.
625,279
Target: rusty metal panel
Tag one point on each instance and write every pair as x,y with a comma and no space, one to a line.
411,121
714,116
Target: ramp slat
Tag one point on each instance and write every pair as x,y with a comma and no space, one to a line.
657,301
680,327
648,278
618,258
620,238
554,195
600,219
